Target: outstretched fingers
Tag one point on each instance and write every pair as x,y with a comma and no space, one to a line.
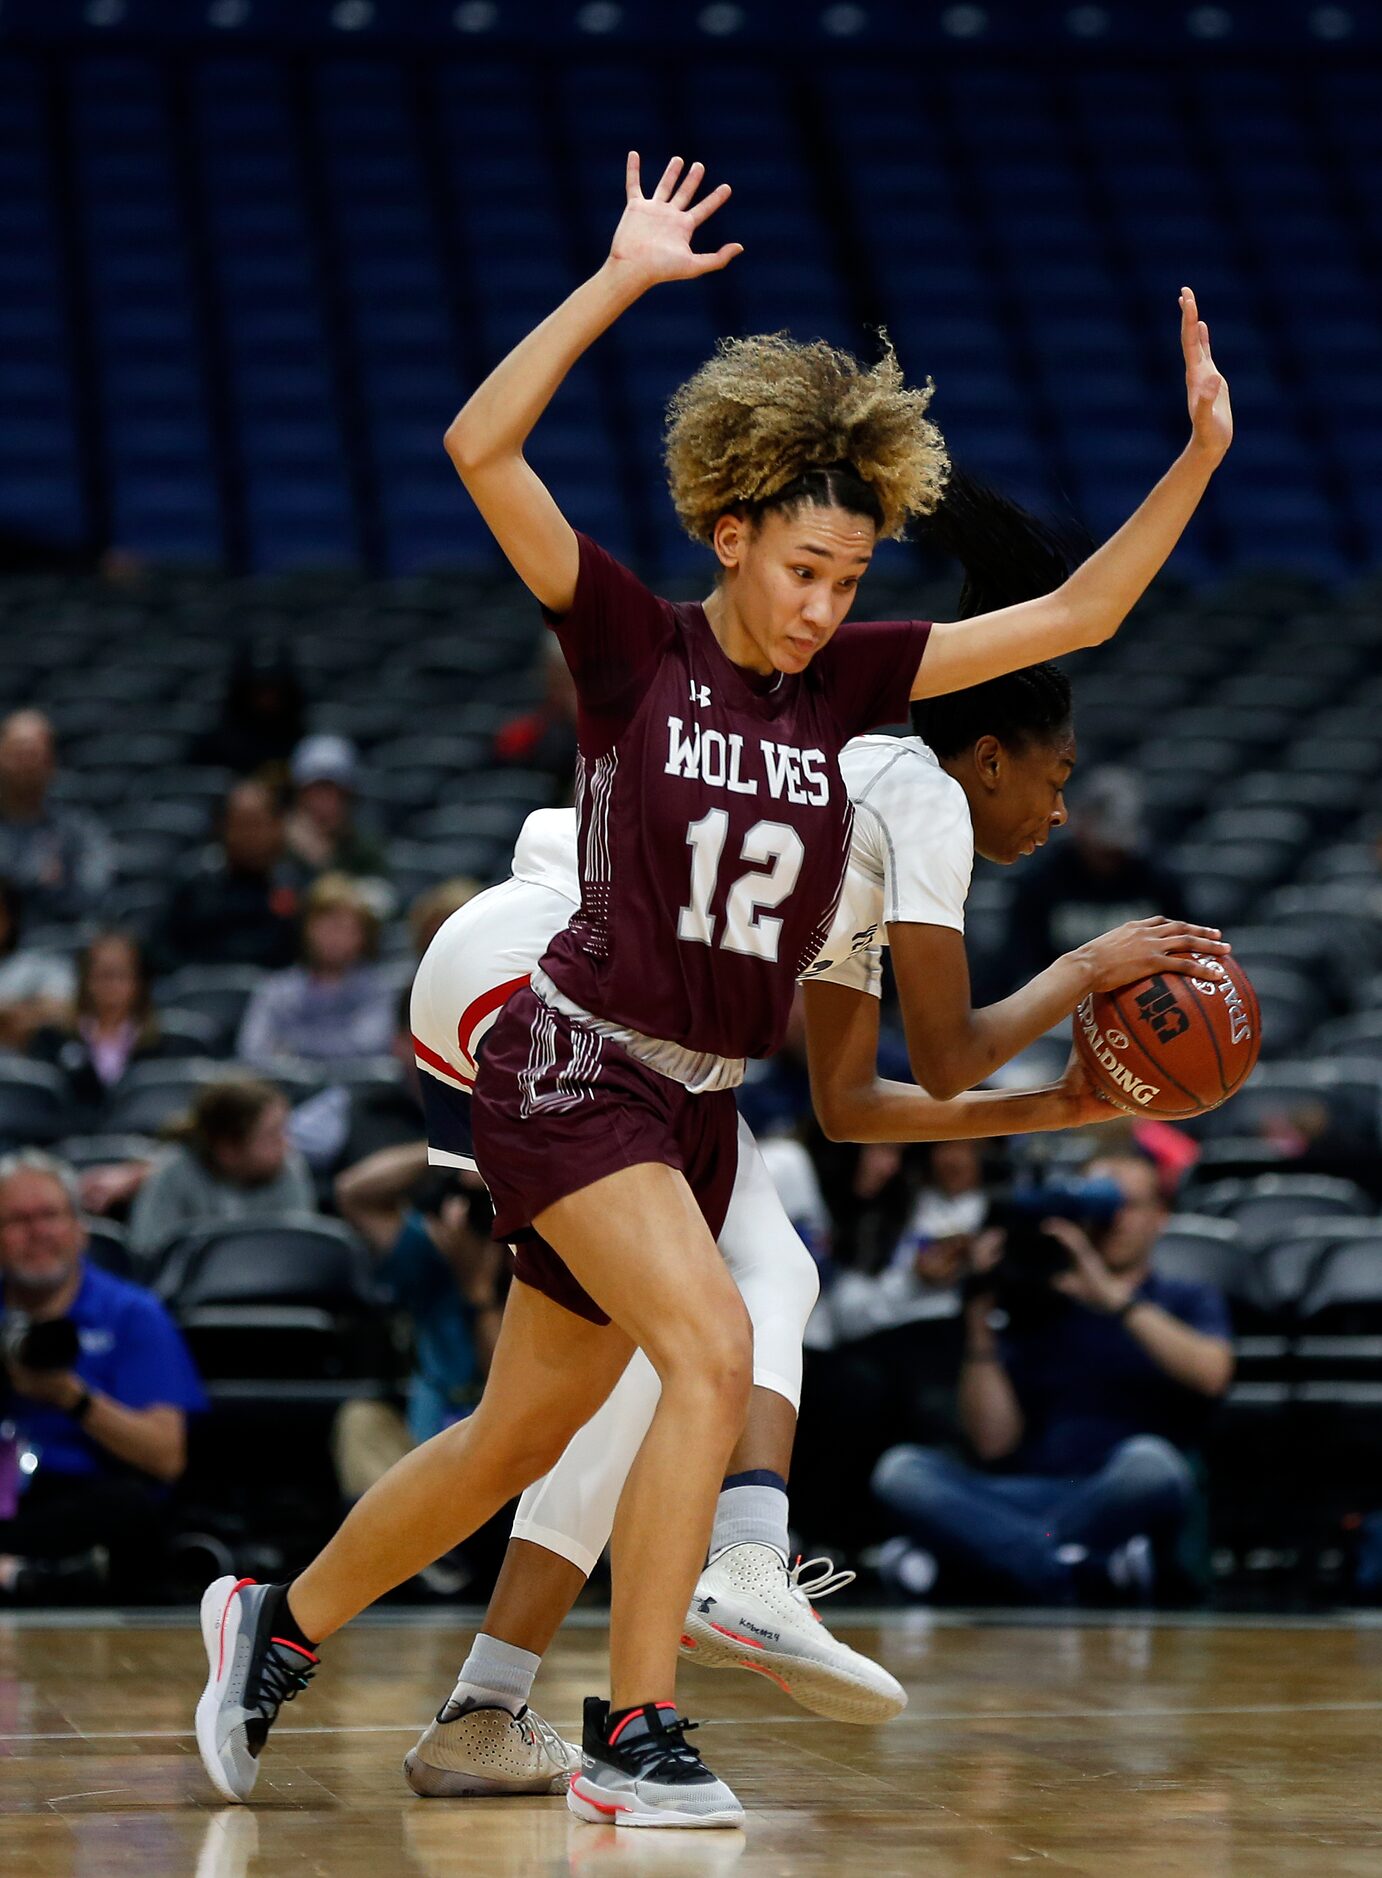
706,207
668,181
1194,334
709,263
690,183
632,188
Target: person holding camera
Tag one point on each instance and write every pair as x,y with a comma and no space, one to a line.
1081,1411
430,1235
96,1387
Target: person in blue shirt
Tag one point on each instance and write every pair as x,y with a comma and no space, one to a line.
1081,1421
446,1275
89,1448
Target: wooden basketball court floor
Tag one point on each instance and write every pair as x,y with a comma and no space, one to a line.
1125,1748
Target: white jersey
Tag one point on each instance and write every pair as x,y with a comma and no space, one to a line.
911,856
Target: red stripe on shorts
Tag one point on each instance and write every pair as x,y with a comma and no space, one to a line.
475,1013
441,1066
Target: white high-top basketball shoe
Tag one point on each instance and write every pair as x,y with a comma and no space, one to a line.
751,1612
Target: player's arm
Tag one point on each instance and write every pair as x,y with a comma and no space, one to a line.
854,1103
372,1195
485,440
951,1046
1092,604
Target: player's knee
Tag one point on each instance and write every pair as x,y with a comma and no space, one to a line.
710,1356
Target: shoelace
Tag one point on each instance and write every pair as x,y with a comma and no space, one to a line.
661,1748
281,1678
829,1580
539,1733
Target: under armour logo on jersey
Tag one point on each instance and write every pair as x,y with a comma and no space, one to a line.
700,694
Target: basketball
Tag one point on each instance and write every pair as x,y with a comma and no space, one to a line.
1171,1046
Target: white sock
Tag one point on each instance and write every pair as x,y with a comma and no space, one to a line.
751,1514
496,1675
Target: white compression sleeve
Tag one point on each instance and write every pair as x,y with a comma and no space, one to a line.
775,1273
570,1511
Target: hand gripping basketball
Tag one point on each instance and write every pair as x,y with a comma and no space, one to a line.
1171,1044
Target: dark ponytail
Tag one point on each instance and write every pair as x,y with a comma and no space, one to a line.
1008,556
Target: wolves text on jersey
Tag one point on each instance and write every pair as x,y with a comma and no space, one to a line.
709,756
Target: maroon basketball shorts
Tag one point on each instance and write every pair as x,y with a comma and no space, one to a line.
557,1107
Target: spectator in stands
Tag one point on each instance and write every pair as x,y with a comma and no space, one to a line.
344,1123
106,1417
262,716
338,1003
113,1026
320,827
60,858
884,1340
1081,1420
36,987
1101,874
545,738
431,1237
233,1161
240,907
430,910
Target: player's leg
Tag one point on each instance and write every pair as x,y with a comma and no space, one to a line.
638,1243
564,1522
484,1739
551,1370
751,1609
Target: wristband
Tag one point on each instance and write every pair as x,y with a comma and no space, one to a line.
81,1408
1121,1313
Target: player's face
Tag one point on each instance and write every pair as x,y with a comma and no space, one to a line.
1026,800
795,578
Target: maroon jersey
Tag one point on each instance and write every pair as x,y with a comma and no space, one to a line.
713,824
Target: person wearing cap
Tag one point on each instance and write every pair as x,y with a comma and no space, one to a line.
1095,875
320,829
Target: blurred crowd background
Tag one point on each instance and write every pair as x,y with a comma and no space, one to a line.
270,712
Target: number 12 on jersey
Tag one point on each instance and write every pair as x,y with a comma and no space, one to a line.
774,845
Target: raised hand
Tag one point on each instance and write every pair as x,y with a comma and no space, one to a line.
1206,388
1143,947
653,240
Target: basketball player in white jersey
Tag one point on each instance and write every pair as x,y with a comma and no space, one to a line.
989,779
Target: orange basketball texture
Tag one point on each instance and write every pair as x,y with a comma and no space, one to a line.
1171,1046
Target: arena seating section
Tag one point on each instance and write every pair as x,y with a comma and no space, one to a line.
241,294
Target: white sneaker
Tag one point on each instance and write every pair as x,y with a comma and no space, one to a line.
471,1751
750,1612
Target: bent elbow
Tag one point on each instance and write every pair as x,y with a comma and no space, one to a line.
939,1081
833,1124
463,448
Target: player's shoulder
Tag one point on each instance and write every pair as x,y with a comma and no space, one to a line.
900,775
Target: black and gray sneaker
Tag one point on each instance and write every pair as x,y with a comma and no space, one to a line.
251,1673
642,1772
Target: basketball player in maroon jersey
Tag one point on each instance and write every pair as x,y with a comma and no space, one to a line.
713,834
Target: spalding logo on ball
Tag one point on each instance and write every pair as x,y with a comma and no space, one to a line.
1171,1046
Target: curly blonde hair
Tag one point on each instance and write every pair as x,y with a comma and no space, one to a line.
767,410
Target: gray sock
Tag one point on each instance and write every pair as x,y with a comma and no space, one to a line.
750,1516
496,1675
